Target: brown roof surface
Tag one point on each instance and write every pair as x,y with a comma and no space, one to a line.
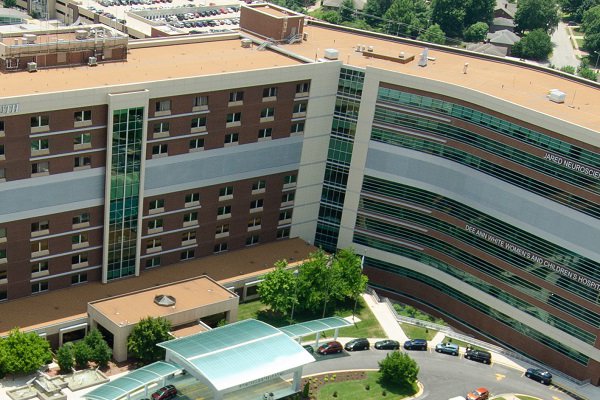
523,86
187,331
273,11
130,308
64,304
146,64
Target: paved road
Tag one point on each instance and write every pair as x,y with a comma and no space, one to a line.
444,376
563,53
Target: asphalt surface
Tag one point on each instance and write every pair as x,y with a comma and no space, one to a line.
443,376
563,53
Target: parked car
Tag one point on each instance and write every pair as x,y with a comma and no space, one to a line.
540,375
330,348
447,348
309,348
479,355
387,345
165,393
358,344
479,394
415,344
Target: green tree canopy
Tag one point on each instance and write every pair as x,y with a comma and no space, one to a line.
376,8
536,14
433,34
398,368
278,289
347,10
100,351
409,16
479,11
449,15
144,337
10,3
350,266
82,354
535,45
23,353
64,357
476,32
591,28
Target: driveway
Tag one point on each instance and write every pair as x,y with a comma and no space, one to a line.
563,53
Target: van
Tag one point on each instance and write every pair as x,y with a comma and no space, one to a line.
479,355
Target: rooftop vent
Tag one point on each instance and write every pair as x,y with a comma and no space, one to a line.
29,38
557,96
331,54
92,61
424,57
246,43
81,34
32,66
164,300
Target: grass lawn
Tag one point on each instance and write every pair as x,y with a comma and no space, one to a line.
579,42
356,390
461,343
367,327
418,332
577,31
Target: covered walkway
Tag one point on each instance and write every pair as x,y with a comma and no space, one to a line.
303,329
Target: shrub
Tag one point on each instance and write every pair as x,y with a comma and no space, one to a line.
64,357
398,368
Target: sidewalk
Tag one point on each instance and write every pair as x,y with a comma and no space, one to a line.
386,319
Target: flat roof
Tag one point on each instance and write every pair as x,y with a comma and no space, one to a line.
311,327
147,65
130,308
526,87
59,305
273,10
188,330
242,353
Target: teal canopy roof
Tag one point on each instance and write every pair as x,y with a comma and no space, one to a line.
312,327
239,354
133,381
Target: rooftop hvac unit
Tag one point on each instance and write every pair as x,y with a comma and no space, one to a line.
331,54
246,43
92,61
81,34
305,36
370,49
29,38
32,66
557,96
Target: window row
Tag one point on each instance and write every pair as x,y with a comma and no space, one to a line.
40,287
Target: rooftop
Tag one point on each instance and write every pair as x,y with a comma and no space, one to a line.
518,84
130,308
222,268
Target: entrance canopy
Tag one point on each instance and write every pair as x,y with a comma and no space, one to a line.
133,381
311,327
242,354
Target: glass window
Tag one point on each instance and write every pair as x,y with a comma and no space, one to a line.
300,107
40,226
288,197
80,162
265,133
222,229
231,138
40,167
224,210
236,96
41,246
80,238
198,122
79,278
39,121
285,215
220,247
234,117
297,127
188,236
196,144
267,112
160,150
1,150
79,259
155,224
1,126
283,233
200,101
156,204
153,243
187,254
39,287
161,127
153,262
83,218
41,266
190,217
259,185
163,105
39,145
289,179
303,87
2,233
254,222
258,203
192,199
82,139
253,239
85,115
270,92
2,254
226,191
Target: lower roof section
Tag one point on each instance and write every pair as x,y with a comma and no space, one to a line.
311,327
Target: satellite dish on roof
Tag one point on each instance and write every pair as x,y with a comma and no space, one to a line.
164,300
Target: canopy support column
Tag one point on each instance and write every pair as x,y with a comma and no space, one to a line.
317,339
335,333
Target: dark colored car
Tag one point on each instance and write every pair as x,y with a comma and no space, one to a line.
479,355
330,348
165,393
447,348
387,345
358,344
540,375
309,348
415,344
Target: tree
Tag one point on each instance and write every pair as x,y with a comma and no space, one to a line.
64,357
536,45
100,351
313,281
142,343
347,10
398,368
433,34
536,14
81,354
476,32
10,3
375,8
591,28
479,11
277,288
23,353
408,16
587,73
350,266
449,15
569,69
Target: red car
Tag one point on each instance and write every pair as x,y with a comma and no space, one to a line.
330,348
165,393
479,394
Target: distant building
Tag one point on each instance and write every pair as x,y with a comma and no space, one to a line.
488,48
501,23
503,38
505,9
8,16
335,4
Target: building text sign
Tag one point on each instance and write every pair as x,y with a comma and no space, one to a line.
9,108
513,248
575,166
